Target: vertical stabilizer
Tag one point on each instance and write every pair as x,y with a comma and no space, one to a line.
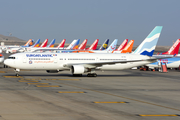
52,43
83,45
104,45
36,44
128,48
44,44
112,46
148,46
61,45
94,45
123,45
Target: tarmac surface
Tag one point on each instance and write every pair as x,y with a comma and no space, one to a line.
112,95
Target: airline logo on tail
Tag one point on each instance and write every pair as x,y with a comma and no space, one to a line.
147,47
128,48
29,42
44,44
36,44
52,43
113,45
123,45
74,44
61,45
83,45
94,45
104,45
174,49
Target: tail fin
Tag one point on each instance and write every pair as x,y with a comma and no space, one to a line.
74,44
61,45
112,46
83,45
44,44
36,44
174,49
128,48
94,45
148,46
52,43
29,43
123,45
104,45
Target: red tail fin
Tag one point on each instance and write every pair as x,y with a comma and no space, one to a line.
94,45
44,44
122,46
61,44
83,45
174,49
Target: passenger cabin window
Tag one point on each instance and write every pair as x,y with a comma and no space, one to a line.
11,57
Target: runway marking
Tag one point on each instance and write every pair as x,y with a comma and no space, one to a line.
13,76
108,102
123,97
47,86
28,81
71,92
38,83
2,72
156,115
61,79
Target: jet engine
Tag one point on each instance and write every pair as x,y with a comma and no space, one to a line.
78,69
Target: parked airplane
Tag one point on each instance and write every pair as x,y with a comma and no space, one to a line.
174,49
72,46
94,45
80,63
14,49
83,45
61,45
104,45
51,44
1,58
127,48
122,46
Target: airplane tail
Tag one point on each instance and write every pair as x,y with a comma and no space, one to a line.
36,44
94,45
74,44
123,45
104,45
83,45
29,43
112,46
61,45
148,46
174,49
44,44
52,43
128,48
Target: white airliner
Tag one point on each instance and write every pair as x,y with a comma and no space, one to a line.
79,63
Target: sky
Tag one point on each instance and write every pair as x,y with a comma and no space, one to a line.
90,19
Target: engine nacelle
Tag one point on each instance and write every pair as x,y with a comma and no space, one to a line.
52,71
78,69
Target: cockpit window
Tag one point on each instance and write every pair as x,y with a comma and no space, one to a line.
11,57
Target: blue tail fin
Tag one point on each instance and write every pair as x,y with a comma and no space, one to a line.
36,44
113,45
148,46
104,45
52,43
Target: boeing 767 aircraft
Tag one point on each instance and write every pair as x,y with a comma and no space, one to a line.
79,63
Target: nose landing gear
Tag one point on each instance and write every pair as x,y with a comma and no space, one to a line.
17,72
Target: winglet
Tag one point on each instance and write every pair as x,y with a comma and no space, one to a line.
148,46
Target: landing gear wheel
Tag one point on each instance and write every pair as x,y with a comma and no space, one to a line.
17,75
92,75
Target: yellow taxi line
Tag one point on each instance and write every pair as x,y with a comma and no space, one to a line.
108,102
71,92
158,115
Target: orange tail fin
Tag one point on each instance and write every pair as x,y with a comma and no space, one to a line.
128,48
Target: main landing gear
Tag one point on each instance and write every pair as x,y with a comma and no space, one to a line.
92,75
17,72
